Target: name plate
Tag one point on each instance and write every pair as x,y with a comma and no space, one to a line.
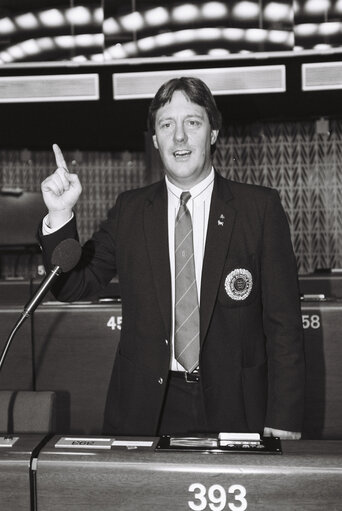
84,443
8,441
103,443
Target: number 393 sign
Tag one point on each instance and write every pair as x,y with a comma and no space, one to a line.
216,498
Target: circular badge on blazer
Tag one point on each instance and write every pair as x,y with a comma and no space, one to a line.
238,284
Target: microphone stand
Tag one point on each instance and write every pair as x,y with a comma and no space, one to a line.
31,306
10,337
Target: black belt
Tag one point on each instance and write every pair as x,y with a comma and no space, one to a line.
193,377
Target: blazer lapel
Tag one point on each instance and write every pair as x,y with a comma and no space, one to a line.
156,233
220,227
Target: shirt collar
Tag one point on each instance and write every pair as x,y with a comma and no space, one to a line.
195,190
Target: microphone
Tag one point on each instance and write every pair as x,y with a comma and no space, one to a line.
64,258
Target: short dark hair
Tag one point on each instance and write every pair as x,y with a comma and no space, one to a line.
195,89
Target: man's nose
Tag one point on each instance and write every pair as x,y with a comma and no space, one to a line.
180,133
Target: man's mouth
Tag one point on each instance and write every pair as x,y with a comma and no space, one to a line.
180,154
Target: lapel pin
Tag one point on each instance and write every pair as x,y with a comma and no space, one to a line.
220,222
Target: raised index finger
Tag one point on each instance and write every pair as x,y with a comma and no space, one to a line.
60,161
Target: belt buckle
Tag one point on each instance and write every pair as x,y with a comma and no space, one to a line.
191,377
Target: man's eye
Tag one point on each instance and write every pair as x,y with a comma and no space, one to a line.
165,125
193,123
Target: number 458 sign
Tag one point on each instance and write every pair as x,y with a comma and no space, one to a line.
217,497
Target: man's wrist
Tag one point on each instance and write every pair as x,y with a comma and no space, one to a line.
47,229
57,219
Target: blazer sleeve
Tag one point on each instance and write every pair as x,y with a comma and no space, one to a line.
282,321
97,265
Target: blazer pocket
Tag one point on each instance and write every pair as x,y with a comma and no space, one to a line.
239,283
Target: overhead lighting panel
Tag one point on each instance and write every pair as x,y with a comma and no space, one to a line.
28,89
221,81
321,76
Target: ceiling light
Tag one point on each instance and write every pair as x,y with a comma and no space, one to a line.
338,6
131,48
85,40
185,36
305,29
218,52
6,57
132,22
78,15
45,43
246,10
214,10
110,26
185,13
276,11
322,46
16,52
98,15
317,6
146,43
97,57
233,34
52,18
255,35
157,16
30,47
6,26
79,58
117,51
26,21
329,28
165,39
279,36
184,54
65,41
208,33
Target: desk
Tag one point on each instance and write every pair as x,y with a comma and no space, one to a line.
307,476
15,480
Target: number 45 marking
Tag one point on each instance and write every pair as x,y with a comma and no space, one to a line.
217,497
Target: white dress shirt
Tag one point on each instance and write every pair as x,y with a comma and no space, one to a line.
199,207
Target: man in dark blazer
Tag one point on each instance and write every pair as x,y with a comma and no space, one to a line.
250,374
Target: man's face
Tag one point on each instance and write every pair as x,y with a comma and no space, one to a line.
184,137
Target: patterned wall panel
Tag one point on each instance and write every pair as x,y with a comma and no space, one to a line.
299,159
103,176
305,167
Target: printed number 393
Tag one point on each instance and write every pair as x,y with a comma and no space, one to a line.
217,497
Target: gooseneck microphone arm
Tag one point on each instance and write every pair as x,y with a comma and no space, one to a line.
64,258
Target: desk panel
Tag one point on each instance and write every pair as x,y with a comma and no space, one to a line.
75,346
307,476
322,323
16,372
15,491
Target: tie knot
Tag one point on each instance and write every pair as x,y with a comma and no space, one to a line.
185,196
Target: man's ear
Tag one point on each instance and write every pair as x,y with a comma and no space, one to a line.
155,143
213,136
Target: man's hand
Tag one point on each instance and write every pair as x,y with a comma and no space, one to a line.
60,191
283,435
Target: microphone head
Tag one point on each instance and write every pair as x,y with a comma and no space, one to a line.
66,255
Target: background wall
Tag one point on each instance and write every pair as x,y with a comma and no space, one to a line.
293,157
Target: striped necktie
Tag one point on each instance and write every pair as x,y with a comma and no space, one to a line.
186,300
